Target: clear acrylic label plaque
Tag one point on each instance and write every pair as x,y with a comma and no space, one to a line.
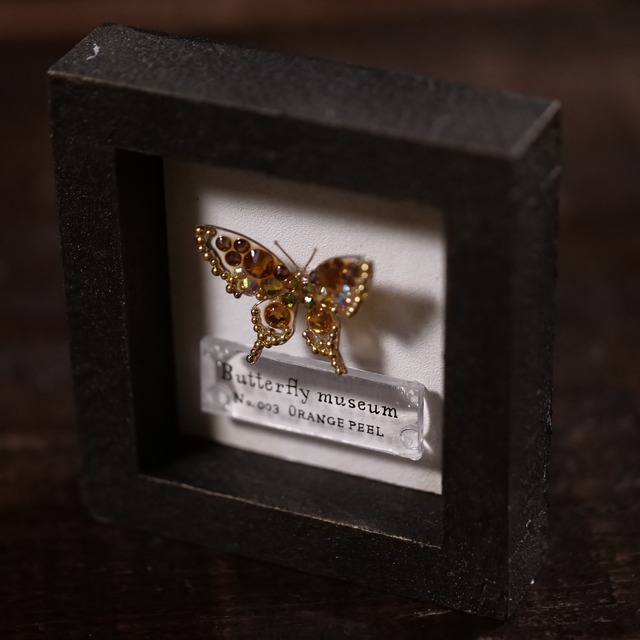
302,396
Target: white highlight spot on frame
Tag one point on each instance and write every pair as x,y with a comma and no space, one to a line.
96,51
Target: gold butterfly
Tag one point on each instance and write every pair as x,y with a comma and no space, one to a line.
337,285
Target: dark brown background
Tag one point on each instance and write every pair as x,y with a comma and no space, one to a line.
63,575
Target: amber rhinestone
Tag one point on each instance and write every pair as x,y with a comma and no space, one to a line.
320,321
223,243
277,315
259,263
351,273
233,258
241,245
281,272
334,273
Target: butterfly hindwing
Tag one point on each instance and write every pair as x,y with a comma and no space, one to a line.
247,267
322,335
274,322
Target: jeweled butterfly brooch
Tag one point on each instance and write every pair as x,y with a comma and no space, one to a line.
337,285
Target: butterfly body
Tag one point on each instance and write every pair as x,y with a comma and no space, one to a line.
337,285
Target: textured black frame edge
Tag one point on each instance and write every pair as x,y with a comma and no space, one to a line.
488,160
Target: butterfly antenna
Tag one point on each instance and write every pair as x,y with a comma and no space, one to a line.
286,254
315,250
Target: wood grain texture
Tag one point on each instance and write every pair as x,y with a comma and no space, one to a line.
66,576
38,21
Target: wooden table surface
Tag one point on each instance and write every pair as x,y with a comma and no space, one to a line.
62,575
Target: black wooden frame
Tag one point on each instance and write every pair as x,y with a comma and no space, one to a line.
122,100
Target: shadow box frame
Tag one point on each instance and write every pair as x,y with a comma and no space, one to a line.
121,101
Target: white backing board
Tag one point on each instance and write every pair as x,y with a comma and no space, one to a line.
398,331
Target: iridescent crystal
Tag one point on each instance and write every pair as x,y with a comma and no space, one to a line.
341,299
323,296
249,285
272,286
289,299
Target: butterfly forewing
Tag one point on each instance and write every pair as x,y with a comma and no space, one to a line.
341,283
247,267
